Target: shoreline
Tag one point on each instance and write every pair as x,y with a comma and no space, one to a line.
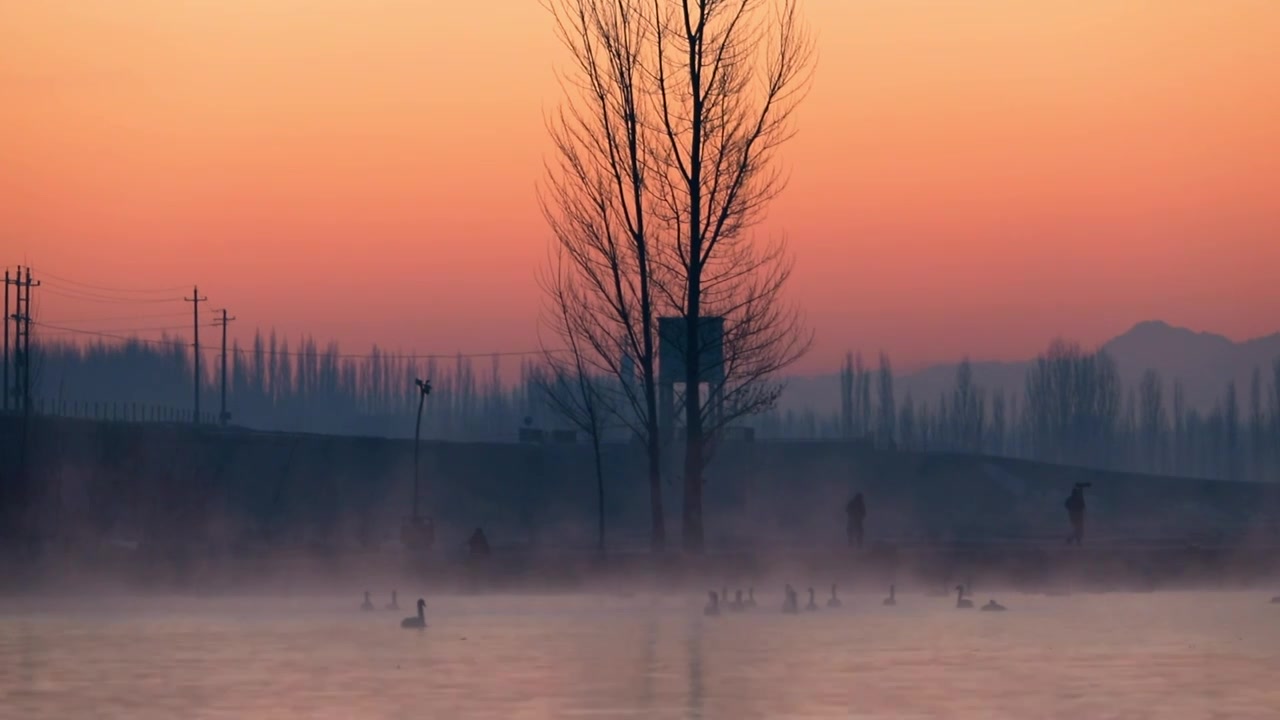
1027,567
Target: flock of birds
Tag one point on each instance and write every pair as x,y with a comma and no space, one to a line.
791,605
413,622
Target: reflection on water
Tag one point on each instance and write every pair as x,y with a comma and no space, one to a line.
1087,656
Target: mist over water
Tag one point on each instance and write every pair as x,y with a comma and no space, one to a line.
1166,655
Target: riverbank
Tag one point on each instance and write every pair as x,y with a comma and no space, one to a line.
1028,567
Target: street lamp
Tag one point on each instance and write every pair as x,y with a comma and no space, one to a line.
424,389
416,535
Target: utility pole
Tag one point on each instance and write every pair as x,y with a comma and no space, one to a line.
4,393
195,301
22,337
223,417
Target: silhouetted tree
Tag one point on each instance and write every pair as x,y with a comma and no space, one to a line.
695,97
887,417
967,410
1073,400
907,424
1153,421
998,423
846,397
1231,431
569,386
599,201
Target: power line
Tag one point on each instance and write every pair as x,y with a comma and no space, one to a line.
78,295
113,318
105,334
157,328
295,353
105,288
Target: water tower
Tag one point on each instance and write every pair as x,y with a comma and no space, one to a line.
671,367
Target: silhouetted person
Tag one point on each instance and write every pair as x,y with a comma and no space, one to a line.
857,512
1075,512
478,544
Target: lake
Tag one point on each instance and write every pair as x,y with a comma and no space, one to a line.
1158,655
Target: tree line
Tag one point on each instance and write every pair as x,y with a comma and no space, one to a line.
305,386
1073,409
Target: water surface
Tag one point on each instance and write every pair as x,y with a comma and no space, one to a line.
1162,655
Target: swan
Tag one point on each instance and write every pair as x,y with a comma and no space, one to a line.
812,605
367,605
833,601
892,599
961,602
993,606
1275,600
736,604
751,597
393,605
418,621
713,604
789,602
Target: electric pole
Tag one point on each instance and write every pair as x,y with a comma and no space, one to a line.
223,417
4,403
195,301
22,337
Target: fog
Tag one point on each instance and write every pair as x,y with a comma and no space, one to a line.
651,655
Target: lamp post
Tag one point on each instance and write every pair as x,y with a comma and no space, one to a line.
424,389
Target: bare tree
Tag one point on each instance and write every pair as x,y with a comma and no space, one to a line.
569,386
907,430
1231,431
999,426
1153,422
1257,425
968,411
1073,403
727,76
665,161
846,397
887,413
598,205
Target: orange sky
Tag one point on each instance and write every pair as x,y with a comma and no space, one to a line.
970,177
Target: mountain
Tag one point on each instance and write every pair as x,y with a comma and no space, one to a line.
1203,361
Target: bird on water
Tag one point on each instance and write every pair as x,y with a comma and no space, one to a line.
892,599
789,604
962,603
416,621
367,605
713,605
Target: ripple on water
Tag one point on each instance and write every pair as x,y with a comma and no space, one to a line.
1085,656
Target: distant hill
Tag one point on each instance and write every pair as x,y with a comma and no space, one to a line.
1204,361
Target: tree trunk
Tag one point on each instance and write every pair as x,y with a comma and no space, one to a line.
693,535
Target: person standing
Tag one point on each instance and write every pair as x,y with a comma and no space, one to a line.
1075,513
856,511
